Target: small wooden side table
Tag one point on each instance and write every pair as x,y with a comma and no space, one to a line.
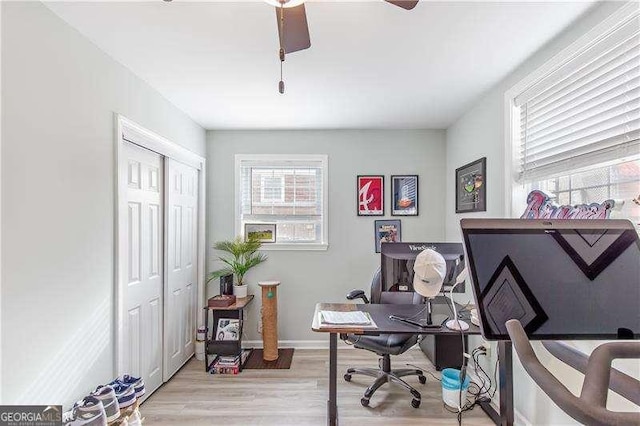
269,319
224,347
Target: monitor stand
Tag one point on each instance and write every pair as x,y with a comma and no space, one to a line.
432,321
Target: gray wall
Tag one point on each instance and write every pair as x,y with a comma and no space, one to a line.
59,96
479,132
312,276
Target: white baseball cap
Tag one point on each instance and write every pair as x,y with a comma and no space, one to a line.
429,271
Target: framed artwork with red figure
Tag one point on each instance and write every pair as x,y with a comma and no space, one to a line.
370,195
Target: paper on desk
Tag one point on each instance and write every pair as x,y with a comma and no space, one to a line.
345,318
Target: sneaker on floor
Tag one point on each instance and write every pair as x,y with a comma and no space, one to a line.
107,395
125,394
137,382
87,412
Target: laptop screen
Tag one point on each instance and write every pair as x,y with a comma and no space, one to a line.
563,279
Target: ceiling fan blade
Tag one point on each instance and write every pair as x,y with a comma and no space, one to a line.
296,30
405,4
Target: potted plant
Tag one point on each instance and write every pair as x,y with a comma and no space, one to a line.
241,256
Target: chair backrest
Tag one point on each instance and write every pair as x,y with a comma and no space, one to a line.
378,295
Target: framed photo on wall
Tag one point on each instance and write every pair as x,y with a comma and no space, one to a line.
404,195
370,195
471,187
263,232
387,231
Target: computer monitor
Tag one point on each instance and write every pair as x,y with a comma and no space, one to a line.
397,259
562,279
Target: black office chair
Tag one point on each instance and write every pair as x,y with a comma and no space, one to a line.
385,345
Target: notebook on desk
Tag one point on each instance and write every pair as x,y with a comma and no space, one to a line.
346,318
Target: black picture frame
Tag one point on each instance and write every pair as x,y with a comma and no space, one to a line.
389,230
471,187
404,195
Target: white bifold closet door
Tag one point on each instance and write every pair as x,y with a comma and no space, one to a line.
181,245
142,274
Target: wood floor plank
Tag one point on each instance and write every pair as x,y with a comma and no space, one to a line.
298,396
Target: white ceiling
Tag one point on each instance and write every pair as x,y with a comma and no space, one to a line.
370,65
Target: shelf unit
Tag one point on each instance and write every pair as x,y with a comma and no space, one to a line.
224,347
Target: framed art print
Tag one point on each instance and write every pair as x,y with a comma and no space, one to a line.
387,231
471,187
370,195
228,329
404,193
263,232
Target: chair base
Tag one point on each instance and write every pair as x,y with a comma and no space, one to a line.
385,375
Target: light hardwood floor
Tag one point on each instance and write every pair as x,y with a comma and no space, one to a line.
298,396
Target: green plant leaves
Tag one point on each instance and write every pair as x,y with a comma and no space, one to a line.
241,257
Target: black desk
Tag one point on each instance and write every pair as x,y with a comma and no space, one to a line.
380,315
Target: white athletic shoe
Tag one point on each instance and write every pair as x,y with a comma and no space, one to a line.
107,395
88,412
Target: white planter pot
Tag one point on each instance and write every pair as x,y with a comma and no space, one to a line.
240,290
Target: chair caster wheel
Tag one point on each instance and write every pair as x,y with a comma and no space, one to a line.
365,402
415,403
347,377
422,379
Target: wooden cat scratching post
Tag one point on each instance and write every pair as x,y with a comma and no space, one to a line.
269,319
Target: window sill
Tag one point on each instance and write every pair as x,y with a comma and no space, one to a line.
294,247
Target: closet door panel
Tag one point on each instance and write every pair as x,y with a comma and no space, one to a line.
182,239
142,257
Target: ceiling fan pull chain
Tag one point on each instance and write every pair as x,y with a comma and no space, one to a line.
281,83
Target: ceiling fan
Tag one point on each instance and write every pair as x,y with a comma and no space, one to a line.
293,29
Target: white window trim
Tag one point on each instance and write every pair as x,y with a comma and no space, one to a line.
324,159
515,198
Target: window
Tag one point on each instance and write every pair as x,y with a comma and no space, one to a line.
619,181
575,123
271,186
289,191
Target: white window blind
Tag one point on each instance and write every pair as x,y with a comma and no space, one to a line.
585,112
287,191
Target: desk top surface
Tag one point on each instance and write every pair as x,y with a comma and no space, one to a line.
380,315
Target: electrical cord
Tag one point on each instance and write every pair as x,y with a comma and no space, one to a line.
463,369
476,362
424,371
479,392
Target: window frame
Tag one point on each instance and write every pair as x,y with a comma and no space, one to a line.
515,194
279,158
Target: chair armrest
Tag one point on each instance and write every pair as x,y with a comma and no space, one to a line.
357,294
